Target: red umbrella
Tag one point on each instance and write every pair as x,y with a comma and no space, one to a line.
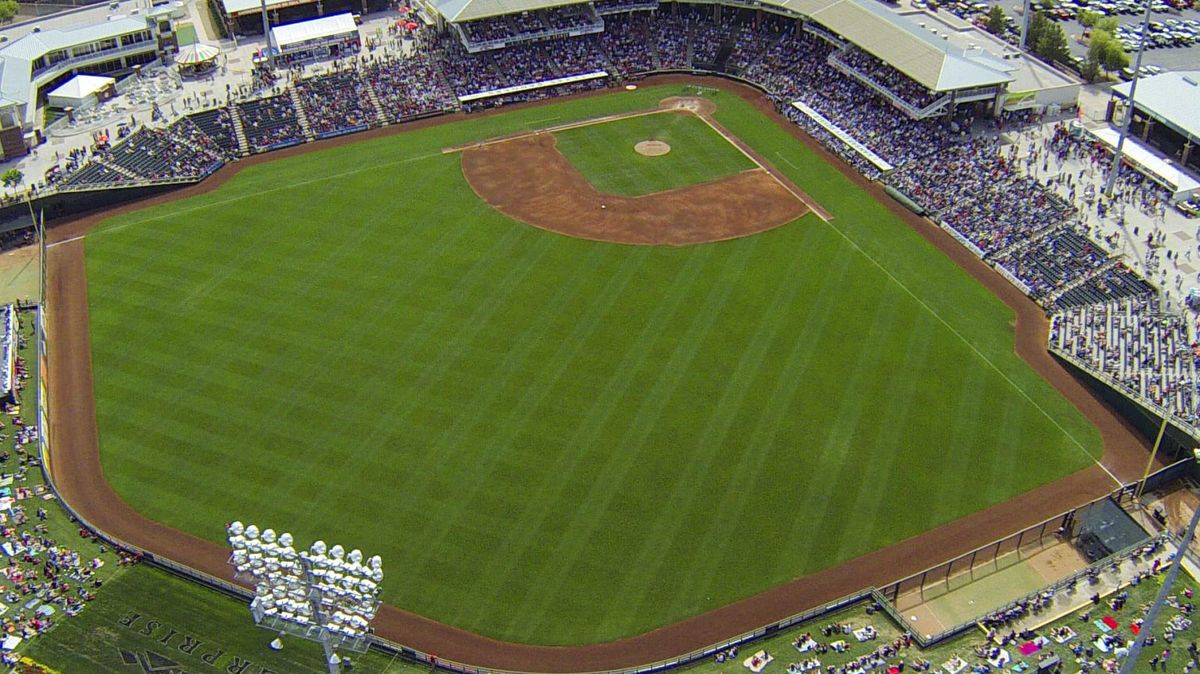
404,9
410,25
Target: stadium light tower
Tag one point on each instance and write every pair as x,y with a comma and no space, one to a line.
323,594
1127,118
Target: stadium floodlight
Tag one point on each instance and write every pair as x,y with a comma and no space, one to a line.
323,594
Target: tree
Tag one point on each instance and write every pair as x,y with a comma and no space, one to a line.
8,9
1113,56
1048,39
11,177
997,20
1088,17
1106,51
1108,24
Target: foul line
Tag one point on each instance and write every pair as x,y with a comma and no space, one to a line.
229,200
979,353
734,141
558,127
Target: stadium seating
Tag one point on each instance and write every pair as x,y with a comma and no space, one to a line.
270,123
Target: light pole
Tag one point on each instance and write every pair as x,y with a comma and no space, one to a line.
323,594
1128,117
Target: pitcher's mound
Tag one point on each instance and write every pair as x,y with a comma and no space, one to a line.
652,148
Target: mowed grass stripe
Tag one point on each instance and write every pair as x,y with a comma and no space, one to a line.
514,418
681,350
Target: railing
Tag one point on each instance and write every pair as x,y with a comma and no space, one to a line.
1053,588
1130,392
474,47
58,67
644,5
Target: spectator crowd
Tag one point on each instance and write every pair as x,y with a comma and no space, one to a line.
1027,223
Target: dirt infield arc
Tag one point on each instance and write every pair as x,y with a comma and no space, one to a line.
549,193
75,463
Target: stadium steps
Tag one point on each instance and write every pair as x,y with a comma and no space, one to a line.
182,140
1049,300
1026,243
106,163
239,130
301,115
380,116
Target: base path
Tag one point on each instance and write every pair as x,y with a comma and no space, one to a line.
78,476
550,193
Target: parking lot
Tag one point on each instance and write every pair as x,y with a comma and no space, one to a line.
1174,33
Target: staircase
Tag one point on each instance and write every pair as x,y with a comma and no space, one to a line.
380,116
725,51
104,161
1033,238
1051,298
239,131
183,140
300,114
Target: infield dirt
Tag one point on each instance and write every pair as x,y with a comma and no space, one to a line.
78,475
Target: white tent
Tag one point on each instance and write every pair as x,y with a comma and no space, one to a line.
79,91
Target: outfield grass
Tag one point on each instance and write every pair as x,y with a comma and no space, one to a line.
604,153
553,440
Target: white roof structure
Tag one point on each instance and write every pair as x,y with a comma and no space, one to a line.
235,7
926,56
1172,97
1163,171
469,10
75,91
16,58
938,51
314,30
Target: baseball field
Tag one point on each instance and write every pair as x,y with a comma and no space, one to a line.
552,438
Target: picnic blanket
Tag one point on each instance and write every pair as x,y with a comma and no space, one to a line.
1111,622
1028,648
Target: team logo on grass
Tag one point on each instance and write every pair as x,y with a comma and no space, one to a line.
202,655
151,662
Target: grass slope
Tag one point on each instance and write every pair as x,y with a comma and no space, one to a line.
552,440
145,610
604,153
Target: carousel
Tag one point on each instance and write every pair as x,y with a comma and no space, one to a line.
197,59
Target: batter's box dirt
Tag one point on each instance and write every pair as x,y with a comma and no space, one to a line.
550,193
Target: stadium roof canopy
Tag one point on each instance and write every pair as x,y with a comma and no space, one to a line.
929,56
926,54
1173,98
470,10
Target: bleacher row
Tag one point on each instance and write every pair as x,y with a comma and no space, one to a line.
1147,354
965,182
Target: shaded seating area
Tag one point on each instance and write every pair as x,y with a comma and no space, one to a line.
336,103
270,123
218,125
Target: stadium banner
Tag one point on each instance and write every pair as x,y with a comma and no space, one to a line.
518,88
961,239
1013,279
866,152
